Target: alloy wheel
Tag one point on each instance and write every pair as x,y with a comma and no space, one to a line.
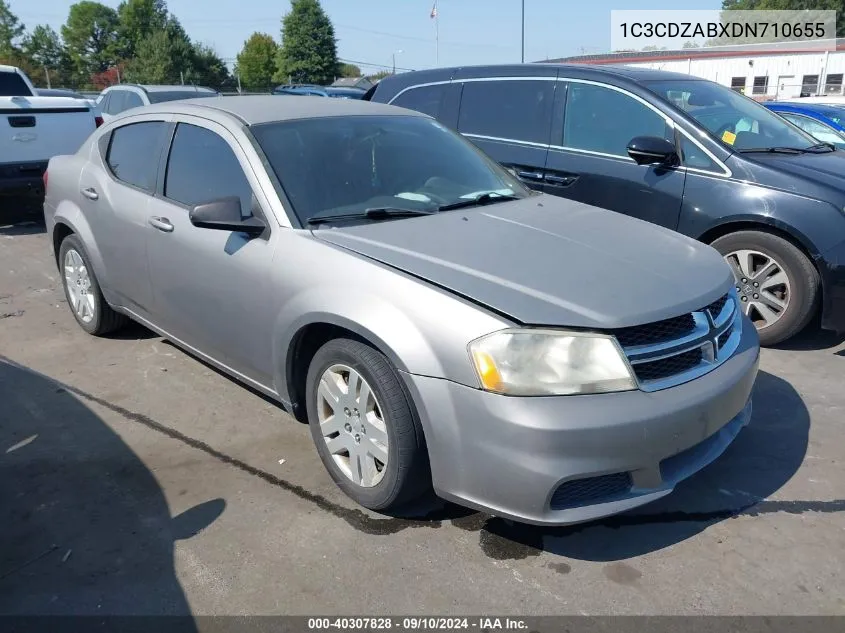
78,284
352,425
762,285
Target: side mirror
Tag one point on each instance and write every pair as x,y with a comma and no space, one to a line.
651,150
225,215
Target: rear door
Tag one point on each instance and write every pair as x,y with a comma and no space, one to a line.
115,187
588,159
510,118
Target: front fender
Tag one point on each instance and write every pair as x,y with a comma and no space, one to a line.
370,316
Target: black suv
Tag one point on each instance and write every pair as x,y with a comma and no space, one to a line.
678,151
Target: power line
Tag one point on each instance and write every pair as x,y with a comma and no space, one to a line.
386,67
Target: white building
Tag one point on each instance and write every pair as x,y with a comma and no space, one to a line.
758,70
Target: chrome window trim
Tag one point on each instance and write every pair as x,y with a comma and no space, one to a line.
725,173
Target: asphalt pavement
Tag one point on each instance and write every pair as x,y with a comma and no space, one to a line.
134,479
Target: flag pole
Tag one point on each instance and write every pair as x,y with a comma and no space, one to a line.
437,37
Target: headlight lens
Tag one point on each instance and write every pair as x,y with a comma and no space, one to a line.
529,362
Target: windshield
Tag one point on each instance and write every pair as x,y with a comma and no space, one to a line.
174,95
733,119
346,165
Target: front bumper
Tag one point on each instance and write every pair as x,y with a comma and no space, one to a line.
563,460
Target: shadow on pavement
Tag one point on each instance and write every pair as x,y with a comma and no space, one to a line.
25,227
813,338
86,528
764,456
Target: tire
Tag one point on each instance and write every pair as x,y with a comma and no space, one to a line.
802,292
406,475
101,319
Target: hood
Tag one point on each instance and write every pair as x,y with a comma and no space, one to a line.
548,261
827,170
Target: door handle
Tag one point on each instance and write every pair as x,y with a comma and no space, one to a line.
560,181
90,193
533,176
162,224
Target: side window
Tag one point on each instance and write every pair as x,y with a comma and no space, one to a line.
103,103
117,98
134,152
425,99
132,101
599,119
202,167
693,156
519,110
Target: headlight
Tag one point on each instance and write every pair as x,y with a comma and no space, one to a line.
534,362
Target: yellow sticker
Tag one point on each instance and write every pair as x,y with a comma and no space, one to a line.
729,137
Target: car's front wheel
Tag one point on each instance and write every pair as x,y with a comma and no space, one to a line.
365,426
82,291
777,284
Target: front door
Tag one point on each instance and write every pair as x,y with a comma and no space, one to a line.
589,161
115,191
210,285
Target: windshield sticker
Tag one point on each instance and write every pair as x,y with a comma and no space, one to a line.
729,137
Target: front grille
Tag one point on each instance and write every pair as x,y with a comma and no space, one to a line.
715,308
665,367
581,492
657,332
723,338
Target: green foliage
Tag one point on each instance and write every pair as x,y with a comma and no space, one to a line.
349,70
11,30
309,48
791,5
207,68
379,75
90,36
43,49
163,57
138,19
256,63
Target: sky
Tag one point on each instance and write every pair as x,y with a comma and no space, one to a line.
370,32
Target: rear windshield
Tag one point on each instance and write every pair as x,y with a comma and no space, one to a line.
12,85
174,95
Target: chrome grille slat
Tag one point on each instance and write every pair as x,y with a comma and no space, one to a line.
695,350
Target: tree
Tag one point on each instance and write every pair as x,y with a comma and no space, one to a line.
256,62
90,36
791,5
691,44
349,70
11,30
139,18
208,68
376,77
164,56
309,48
44,49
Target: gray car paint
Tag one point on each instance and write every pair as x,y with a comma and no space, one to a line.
242,304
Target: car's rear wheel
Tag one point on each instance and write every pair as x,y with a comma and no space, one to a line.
365,426
778,286
82,291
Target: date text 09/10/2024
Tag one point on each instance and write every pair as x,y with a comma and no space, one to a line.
417,624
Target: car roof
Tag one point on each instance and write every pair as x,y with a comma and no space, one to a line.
257,109
820,108
165,88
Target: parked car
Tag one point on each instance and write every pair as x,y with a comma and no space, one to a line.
823,122
382,278
117,99
340,92
678,151
35,128
301,90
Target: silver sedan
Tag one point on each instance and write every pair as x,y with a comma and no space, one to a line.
437,324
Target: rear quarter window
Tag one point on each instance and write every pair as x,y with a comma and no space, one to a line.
134,152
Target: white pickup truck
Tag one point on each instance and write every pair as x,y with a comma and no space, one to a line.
33,129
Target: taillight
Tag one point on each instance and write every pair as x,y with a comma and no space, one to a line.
44,178
98,121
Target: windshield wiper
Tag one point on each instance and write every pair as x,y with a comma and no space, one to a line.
484,198
376,213
824,145
773,150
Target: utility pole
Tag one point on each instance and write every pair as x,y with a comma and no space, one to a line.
395,53
523,31
182,77
47,72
